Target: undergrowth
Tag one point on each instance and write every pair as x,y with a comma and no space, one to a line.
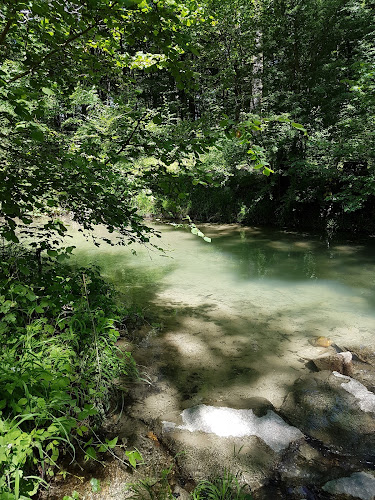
58,359
225,487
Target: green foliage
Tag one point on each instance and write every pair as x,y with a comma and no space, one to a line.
134,457
58,360
63,131
73,496
226,487
95,485
154,489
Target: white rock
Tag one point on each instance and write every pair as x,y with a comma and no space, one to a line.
366,398
229,422
346,355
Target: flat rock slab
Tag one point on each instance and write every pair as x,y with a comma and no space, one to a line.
202,456
230,422
335,409
215,439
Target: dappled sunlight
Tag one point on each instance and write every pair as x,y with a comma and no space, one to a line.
304,245
239,315
348,249
193,350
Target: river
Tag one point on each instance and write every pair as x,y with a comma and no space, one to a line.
236,318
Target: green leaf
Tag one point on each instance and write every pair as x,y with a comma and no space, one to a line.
31,296
132,459
267,171
298,126
157,119
95,485
90,453
37,135
111,444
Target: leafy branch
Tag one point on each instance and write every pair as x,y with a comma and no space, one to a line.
130,137
53,52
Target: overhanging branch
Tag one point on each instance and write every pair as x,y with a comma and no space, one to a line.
54,51
5,31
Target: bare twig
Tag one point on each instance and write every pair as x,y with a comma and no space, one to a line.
127,142
5,31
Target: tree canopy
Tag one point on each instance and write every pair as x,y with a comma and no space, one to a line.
70,107
87,88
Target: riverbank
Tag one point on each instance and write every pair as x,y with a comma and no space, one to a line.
233,321
275,459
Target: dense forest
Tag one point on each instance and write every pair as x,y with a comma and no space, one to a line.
250,111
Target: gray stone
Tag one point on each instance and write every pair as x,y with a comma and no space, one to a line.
304,465
340,362
212,440
201,455
358,485
231,422
331,408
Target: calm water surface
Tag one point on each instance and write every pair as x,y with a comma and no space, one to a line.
238,314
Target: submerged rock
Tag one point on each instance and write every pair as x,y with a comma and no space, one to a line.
303,465
336,410
321,342
358,485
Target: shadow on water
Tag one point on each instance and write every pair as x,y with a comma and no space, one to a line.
211,359
136,285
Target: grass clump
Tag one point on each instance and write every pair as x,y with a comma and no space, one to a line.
225,487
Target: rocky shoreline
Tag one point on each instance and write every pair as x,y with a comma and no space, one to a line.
319,444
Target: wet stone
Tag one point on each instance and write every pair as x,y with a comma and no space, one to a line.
340,362
321,342
358,485
335,410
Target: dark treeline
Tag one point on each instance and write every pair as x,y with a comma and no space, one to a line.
314,62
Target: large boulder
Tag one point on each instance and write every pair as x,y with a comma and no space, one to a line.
335,409
210,440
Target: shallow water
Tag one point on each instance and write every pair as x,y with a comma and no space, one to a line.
238,314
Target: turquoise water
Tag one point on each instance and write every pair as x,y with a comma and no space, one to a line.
237,316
